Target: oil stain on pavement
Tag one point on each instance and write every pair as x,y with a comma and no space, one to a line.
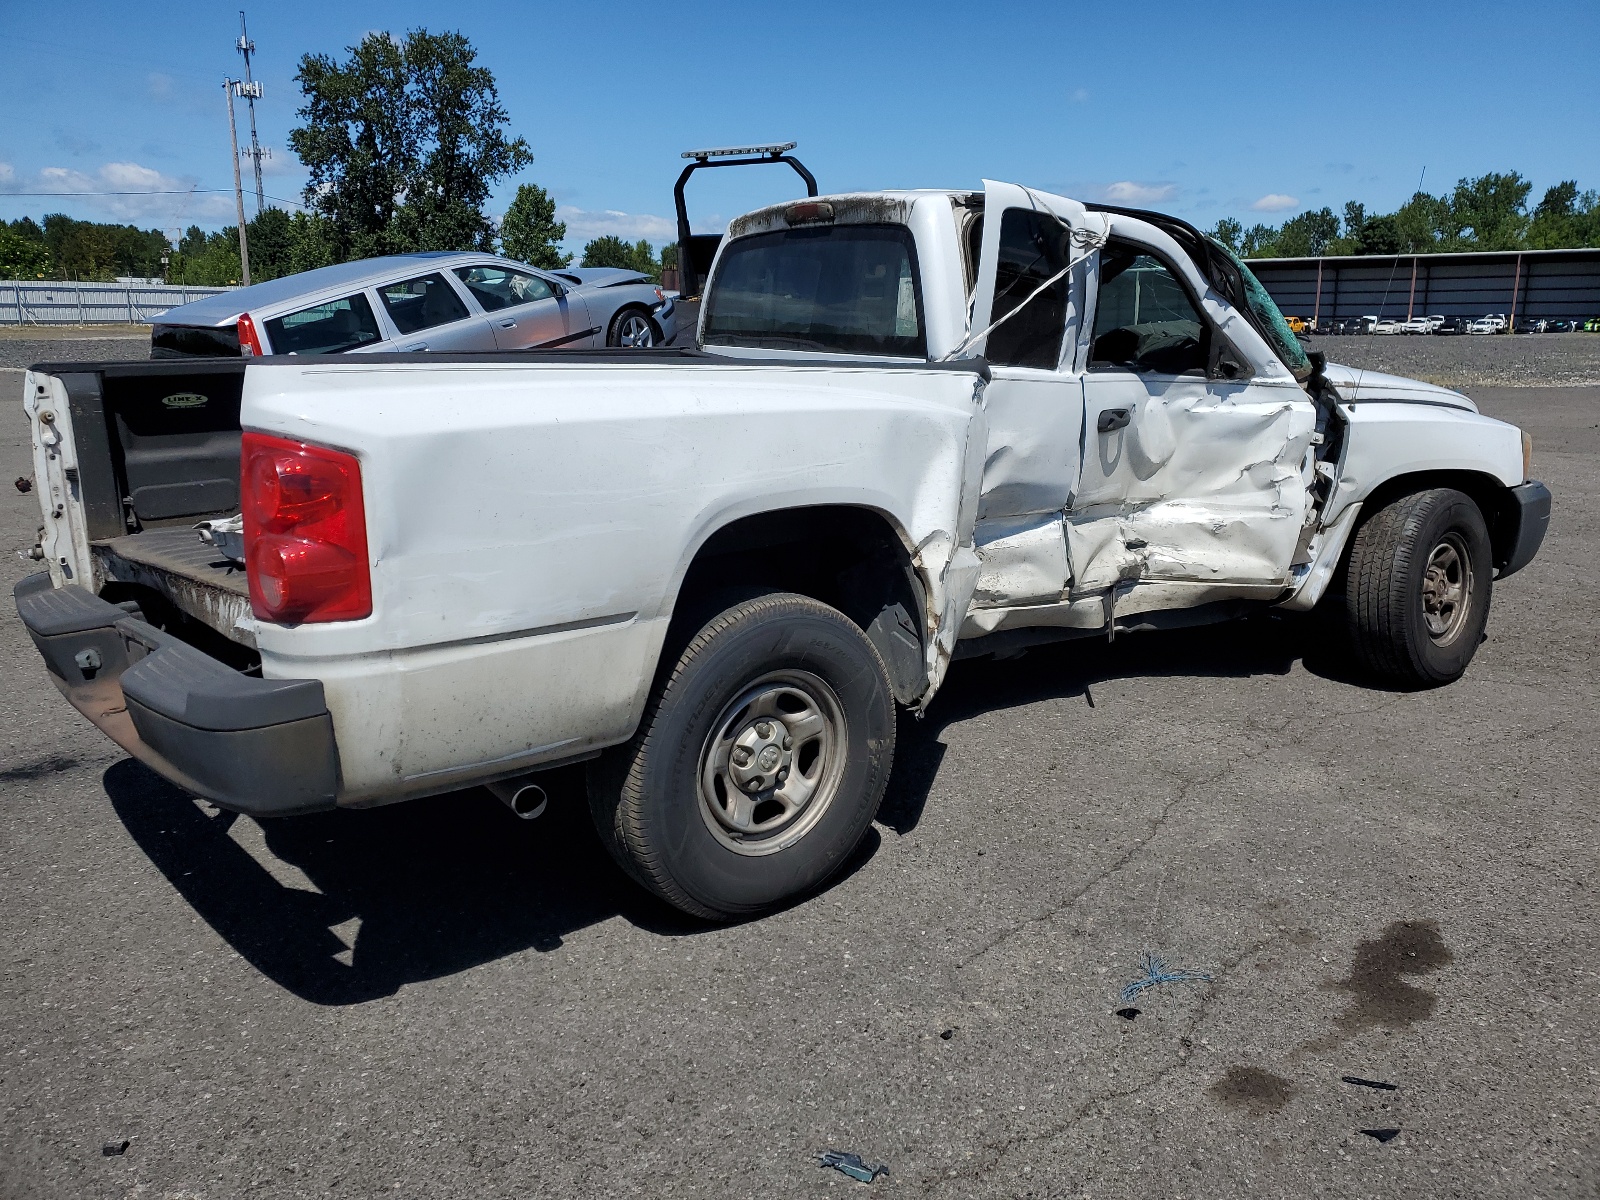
1257,1092
1380,995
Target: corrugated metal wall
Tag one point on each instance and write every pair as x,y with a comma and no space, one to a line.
41,302
1531,284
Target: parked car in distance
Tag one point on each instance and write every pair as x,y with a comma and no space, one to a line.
1452,325
1416,325
1592,325
436,300
1562,326
1488,324
1296,324
1388,325
1435,323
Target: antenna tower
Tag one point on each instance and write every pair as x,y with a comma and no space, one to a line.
251,91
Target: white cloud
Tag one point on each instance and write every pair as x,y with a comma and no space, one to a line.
583,226
1126,191
166,199
1275,202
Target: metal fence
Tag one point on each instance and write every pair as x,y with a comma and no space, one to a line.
43,302
1526,285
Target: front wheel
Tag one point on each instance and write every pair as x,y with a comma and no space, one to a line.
631,327
760,762
1417,588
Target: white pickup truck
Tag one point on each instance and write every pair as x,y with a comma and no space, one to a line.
915,426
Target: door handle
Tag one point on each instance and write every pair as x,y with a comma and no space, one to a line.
1113,418
508,324
417,346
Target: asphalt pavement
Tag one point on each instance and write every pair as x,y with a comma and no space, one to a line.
436,999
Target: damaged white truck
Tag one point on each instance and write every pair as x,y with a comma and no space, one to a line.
915,426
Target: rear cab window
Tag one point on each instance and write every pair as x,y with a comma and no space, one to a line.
187,341
500,287
846,289
425,302
331,327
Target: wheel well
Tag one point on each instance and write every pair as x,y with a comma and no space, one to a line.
1491,496
850,558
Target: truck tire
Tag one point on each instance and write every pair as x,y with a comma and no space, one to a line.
759,763
1416,596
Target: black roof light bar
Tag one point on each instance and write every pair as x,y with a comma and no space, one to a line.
693,265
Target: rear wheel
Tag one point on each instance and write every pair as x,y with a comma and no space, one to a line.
760,762
1417,588
631,327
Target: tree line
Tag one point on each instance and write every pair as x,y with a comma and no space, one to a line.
403,141
1489,212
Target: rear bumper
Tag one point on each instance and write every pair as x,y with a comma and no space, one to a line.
1525,526
259,746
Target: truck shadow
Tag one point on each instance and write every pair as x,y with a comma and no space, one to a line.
1259,645
344,907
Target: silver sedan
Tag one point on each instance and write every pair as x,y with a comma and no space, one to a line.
440,301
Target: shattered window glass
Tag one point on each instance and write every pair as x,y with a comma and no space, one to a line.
1144,319
1034,246
850,289
1268,319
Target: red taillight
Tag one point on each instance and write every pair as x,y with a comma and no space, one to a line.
249,340
305,532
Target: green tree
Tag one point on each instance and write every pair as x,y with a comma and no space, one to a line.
271,245
1307,235
1565,218
530,231
1490,212
1227,231
23,253
313,242
1259,241
403,142
459,121
612,251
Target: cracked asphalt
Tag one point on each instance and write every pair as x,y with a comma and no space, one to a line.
438,1000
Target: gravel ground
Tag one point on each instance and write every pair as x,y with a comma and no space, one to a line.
1529,360
435,999
25,345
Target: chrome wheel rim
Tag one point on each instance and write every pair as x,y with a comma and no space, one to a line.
770,768
1447,589
635,331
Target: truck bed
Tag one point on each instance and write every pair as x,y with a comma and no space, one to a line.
192,575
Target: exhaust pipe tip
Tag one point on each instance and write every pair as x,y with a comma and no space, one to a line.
527,800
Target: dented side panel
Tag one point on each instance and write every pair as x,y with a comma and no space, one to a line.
1208,482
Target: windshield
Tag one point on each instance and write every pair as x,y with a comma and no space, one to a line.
849,289
1269,320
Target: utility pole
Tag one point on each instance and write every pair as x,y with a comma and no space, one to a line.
229,87
252,92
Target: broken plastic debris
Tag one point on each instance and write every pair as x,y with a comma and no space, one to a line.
851,1165
1127,1014
1156,971
112,1149
1383,1135
1371,1083
947,1034
24,484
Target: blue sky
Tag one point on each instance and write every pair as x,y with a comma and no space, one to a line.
1250,110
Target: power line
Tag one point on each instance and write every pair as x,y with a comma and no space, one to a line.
150,192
